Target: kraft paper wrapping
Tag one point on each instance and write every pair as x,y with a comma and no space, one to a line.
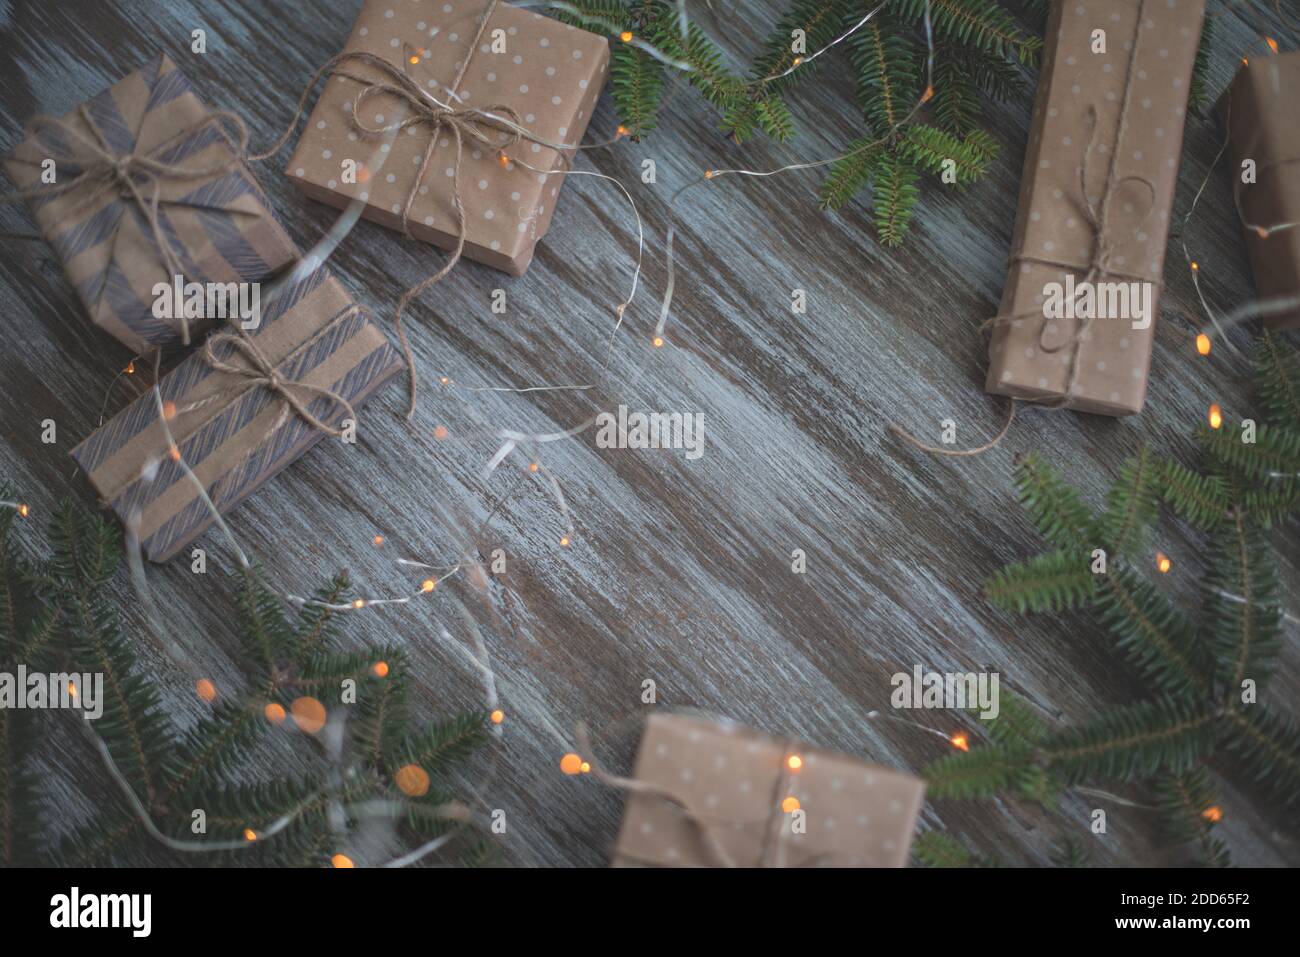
233,433
550,74
735,779
221,225
1030,356
1262,109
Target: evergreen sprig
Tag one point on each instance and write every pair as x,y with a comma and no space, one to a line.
1208,672
58,616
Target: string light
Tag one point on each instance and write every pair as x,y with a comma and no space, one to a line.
274,713
379,669
497,716
1213,814
564,541
250,835
341,860
440,433
130,367
657,342
1272,44
1163,563
790,805
571,763
205,689
412,780
359,603
22,509
626,36
960,741
794,762
585,767
1215,415
308,714
428,585
1203,344
379,540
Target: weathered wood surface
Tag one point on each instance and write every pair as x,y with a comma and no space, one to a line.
679,571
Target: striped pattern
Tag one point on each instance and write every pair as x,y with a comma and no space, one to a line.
222,227
240,434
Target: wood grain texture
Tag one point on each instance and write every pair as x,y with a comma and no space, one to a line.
679,571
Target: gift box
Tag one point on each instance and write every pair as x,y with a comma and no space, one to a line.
546,74
719,794
238,411
1262,112
1076,323
147,136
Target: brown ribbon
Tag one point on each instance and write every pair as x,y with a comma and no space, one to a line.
476,125
135,177
1097,216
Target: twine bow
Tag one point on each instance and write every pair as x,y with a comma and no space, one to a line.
261,372
134,176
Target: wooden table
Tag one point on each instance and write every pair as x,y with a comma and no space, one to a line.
679,571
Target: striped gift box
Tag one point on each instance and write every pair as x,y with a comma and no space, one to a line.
221,226
233,432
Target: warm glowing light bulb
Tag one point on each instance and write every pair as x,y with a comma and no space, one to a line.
414,59
794,762
1215,415
1203,344
341,860
497,716
379,669
250,835
708,174
621,131
440,433
960,741
169,410
175,453
564,541
571,763
504,160
428,585
23,509
379,539
72,691
412,780
1163,563
1261,232
205,689
130,368
1272,44
1245,61
657,342
274,713
1196,267
585,768
796,61
928,95
444,380
533,466
626,36
1213,814
359,603
790,805
308,714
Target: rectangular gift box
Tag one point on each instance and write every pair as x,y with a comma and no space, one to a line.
233,430
220,224
1032,356
1262,111
737,781
549,73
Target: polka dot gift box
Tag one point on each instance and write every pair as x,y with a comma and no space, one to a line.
1077,318
716,794
422,58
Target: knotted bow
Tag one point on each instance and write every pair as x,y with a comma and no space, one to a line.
135,177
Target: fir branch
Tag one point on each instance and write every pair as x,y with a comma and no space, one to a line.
1130,505
1159,641
1017,724
955,106
1274,453
1266,744
983,771
981,24
852,171
1162,734
1070,852
940,850
317,619
1200,499
637,85
1277,379
1055,581
1241,604
820,20
1055,508
885,60
439,744
931,148
1187,804
893,198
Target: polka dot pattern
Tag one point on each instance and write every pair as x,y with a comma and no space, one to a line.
851,814
1031,359
549,73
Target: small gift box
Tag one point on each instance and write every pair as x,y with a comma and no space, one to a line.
1262,111
540,74
238,411
1078,311
146,185
709,794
